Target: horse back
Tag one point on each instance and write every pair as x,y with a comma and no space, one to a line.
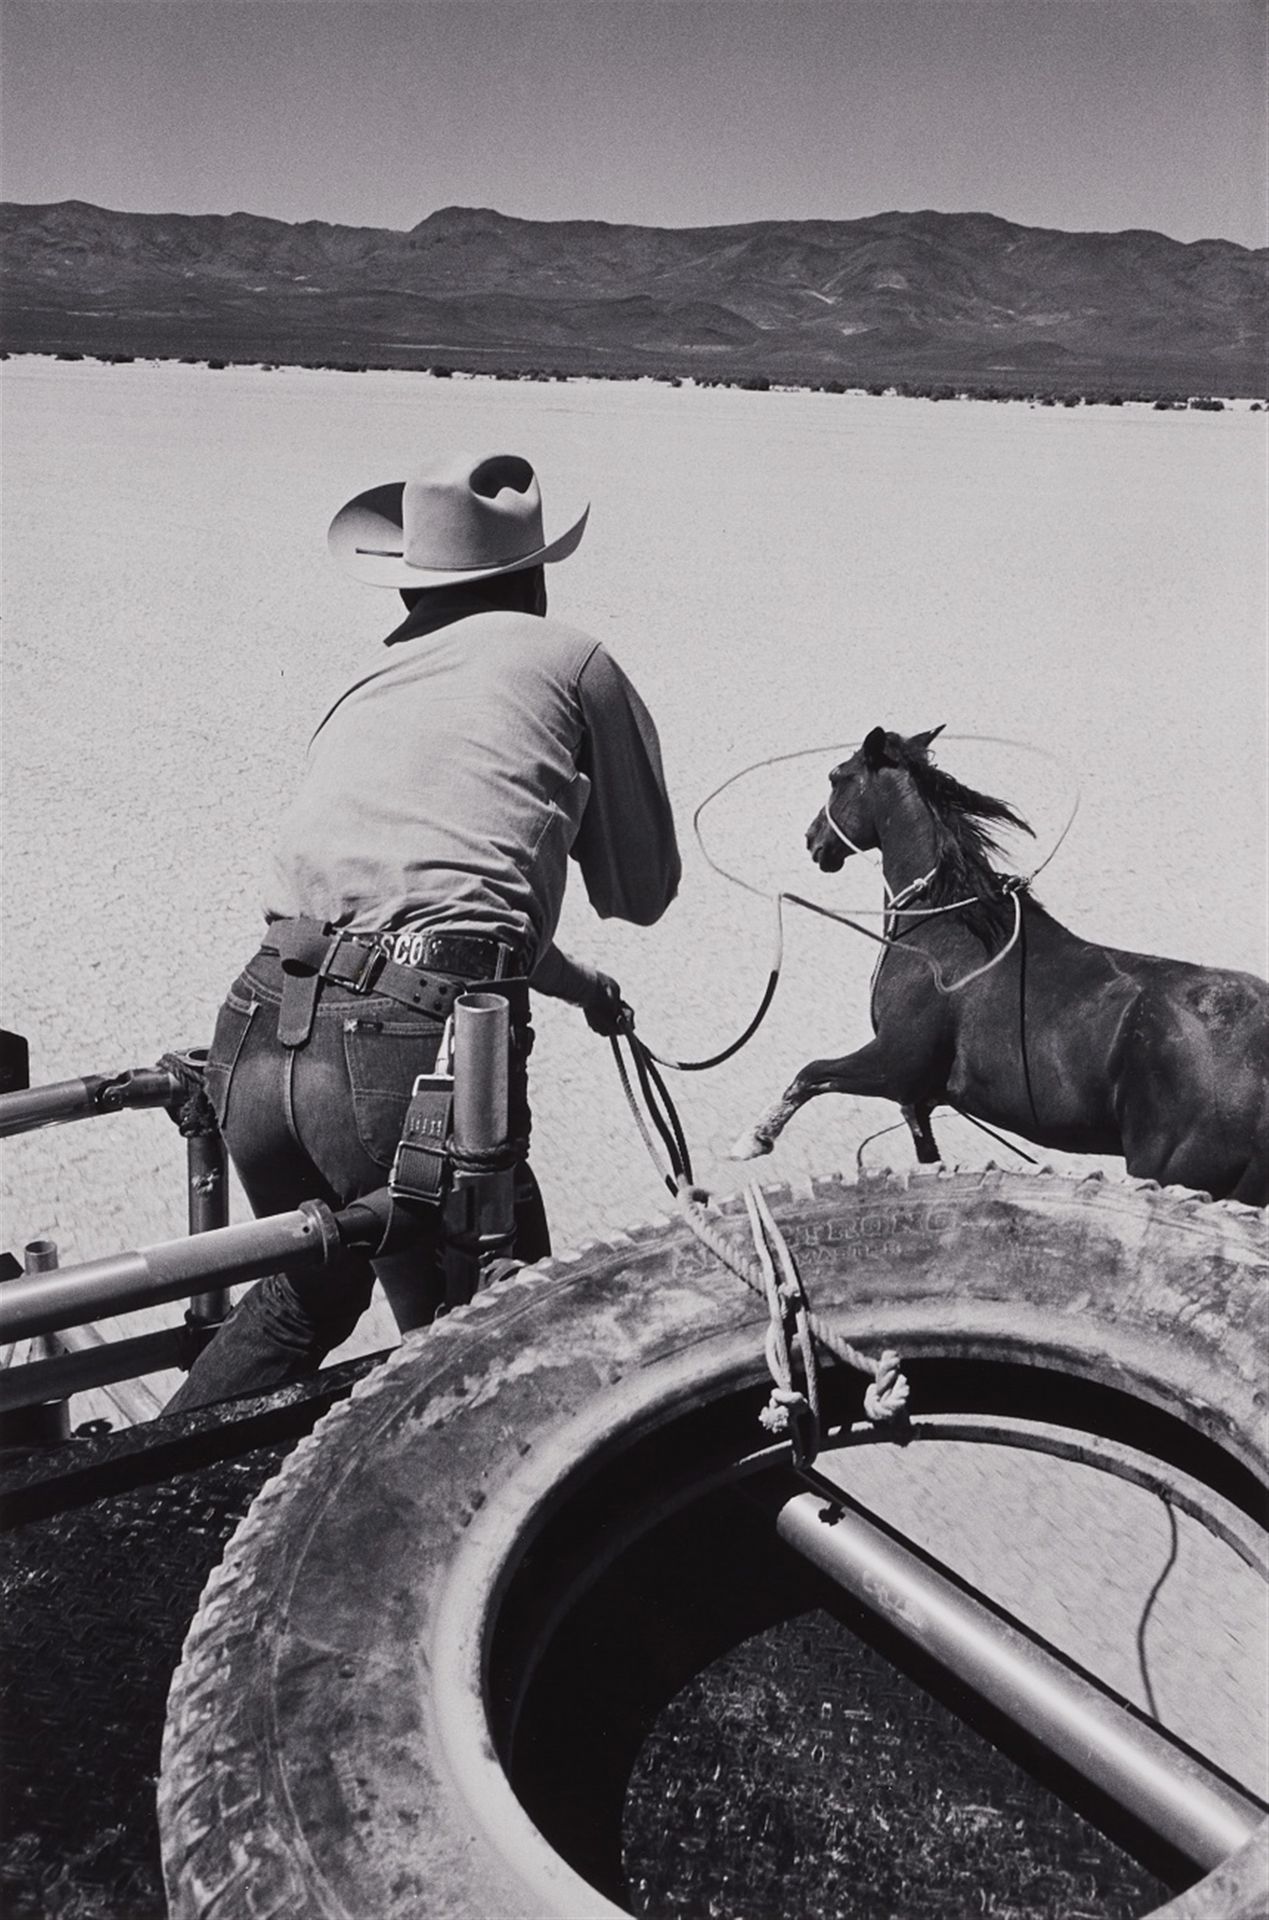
1193,1077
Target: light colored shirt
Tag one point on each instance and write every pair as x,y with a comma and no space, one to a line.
449,787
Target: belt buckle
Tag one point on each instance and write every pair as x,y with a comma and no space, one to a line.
372,960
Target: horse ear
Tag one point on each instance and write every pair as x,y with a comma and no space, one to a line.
920,742
875,748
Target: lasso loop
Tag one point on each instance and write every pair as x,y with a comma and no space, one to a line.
1013,887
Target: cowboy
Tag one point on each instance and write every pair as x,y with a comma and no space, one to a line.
425,853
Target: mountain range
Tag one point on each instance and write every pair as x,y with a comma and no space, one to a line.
961,297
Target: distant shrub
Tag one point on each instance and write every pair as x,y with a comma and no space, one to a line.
1207,406
833,386
441,373
755,383
1113,400
69,356
217,366
1072,400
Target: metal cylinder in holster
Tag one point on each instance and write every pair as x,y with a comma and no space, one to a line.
455,1154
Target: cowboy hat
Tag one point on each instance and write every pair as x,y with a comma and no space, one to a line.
455,520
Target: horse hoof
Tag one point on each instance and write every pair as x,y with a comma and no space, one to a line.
750,1146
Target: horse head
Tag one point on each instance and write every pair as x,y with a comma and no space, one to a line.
848,821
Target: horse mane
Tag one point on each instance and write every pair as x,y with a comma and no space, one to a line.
964,819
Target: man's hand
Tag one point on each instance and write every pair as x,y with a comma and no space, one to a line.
606,1012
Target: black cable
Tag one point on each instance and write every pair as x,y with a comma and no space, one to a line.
648,1066
661,1109
716,1059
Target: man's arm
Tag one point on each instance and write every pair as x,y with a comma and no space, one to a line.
626,845
597,994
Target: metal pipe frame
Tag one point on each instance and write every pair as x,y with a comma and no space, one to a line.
44,1303
84,1099
1170,1791
207,1183
91,1363
480,1208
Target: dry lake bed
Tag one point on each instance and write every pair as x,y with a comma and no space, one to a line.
777,572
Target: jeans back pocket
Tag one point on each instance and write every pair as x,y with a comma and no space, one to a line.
383,1058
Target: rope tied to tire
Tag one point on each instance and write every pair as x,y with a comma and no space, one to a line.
886,1398
790,1409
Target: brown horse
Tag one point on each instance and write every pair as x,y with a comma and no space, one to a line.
1073,1045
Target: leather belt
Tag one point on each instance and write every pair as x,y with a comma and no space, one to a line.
476,956
312,954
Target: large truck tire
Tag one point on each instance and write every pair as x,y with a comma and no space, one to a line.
328,1749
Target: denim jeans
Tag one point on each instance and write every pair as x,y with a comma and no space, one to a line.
322,1122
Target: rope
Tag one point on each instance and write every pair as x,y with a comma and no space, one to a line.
768,995
803,753
499,1159
887,1397
789,1410
1014,886
194,1116
660,1107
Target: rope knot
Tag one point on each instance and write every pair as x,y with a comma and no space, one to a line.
192,1110
780,1413
887,1397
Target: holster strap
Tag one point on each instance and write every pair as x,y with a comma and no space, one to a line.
421,1165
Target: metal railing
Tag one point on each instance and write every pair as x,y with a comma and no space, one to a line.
66,1356
52,1307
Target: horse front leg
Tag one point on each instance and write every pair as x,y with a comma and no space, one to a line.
873,1071
927,1147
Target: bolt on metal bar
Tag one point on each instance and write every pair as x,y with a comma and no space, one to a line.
1165,1787
43,1303
206,1175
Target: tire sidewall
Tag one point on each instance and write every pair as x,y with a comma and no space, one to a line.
326,1740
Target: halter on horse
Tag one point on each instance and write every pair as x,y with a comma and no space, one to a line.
984,1002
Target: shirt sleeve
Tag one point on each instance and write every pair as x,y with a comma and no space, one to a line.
626,846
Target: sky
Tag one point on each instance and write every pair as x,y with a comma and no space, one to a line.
1083,114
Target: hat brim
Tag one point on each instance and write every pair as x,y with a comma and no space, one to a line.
365,539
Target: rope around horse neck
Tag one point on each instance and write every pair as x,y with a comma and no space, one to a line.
1013,888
